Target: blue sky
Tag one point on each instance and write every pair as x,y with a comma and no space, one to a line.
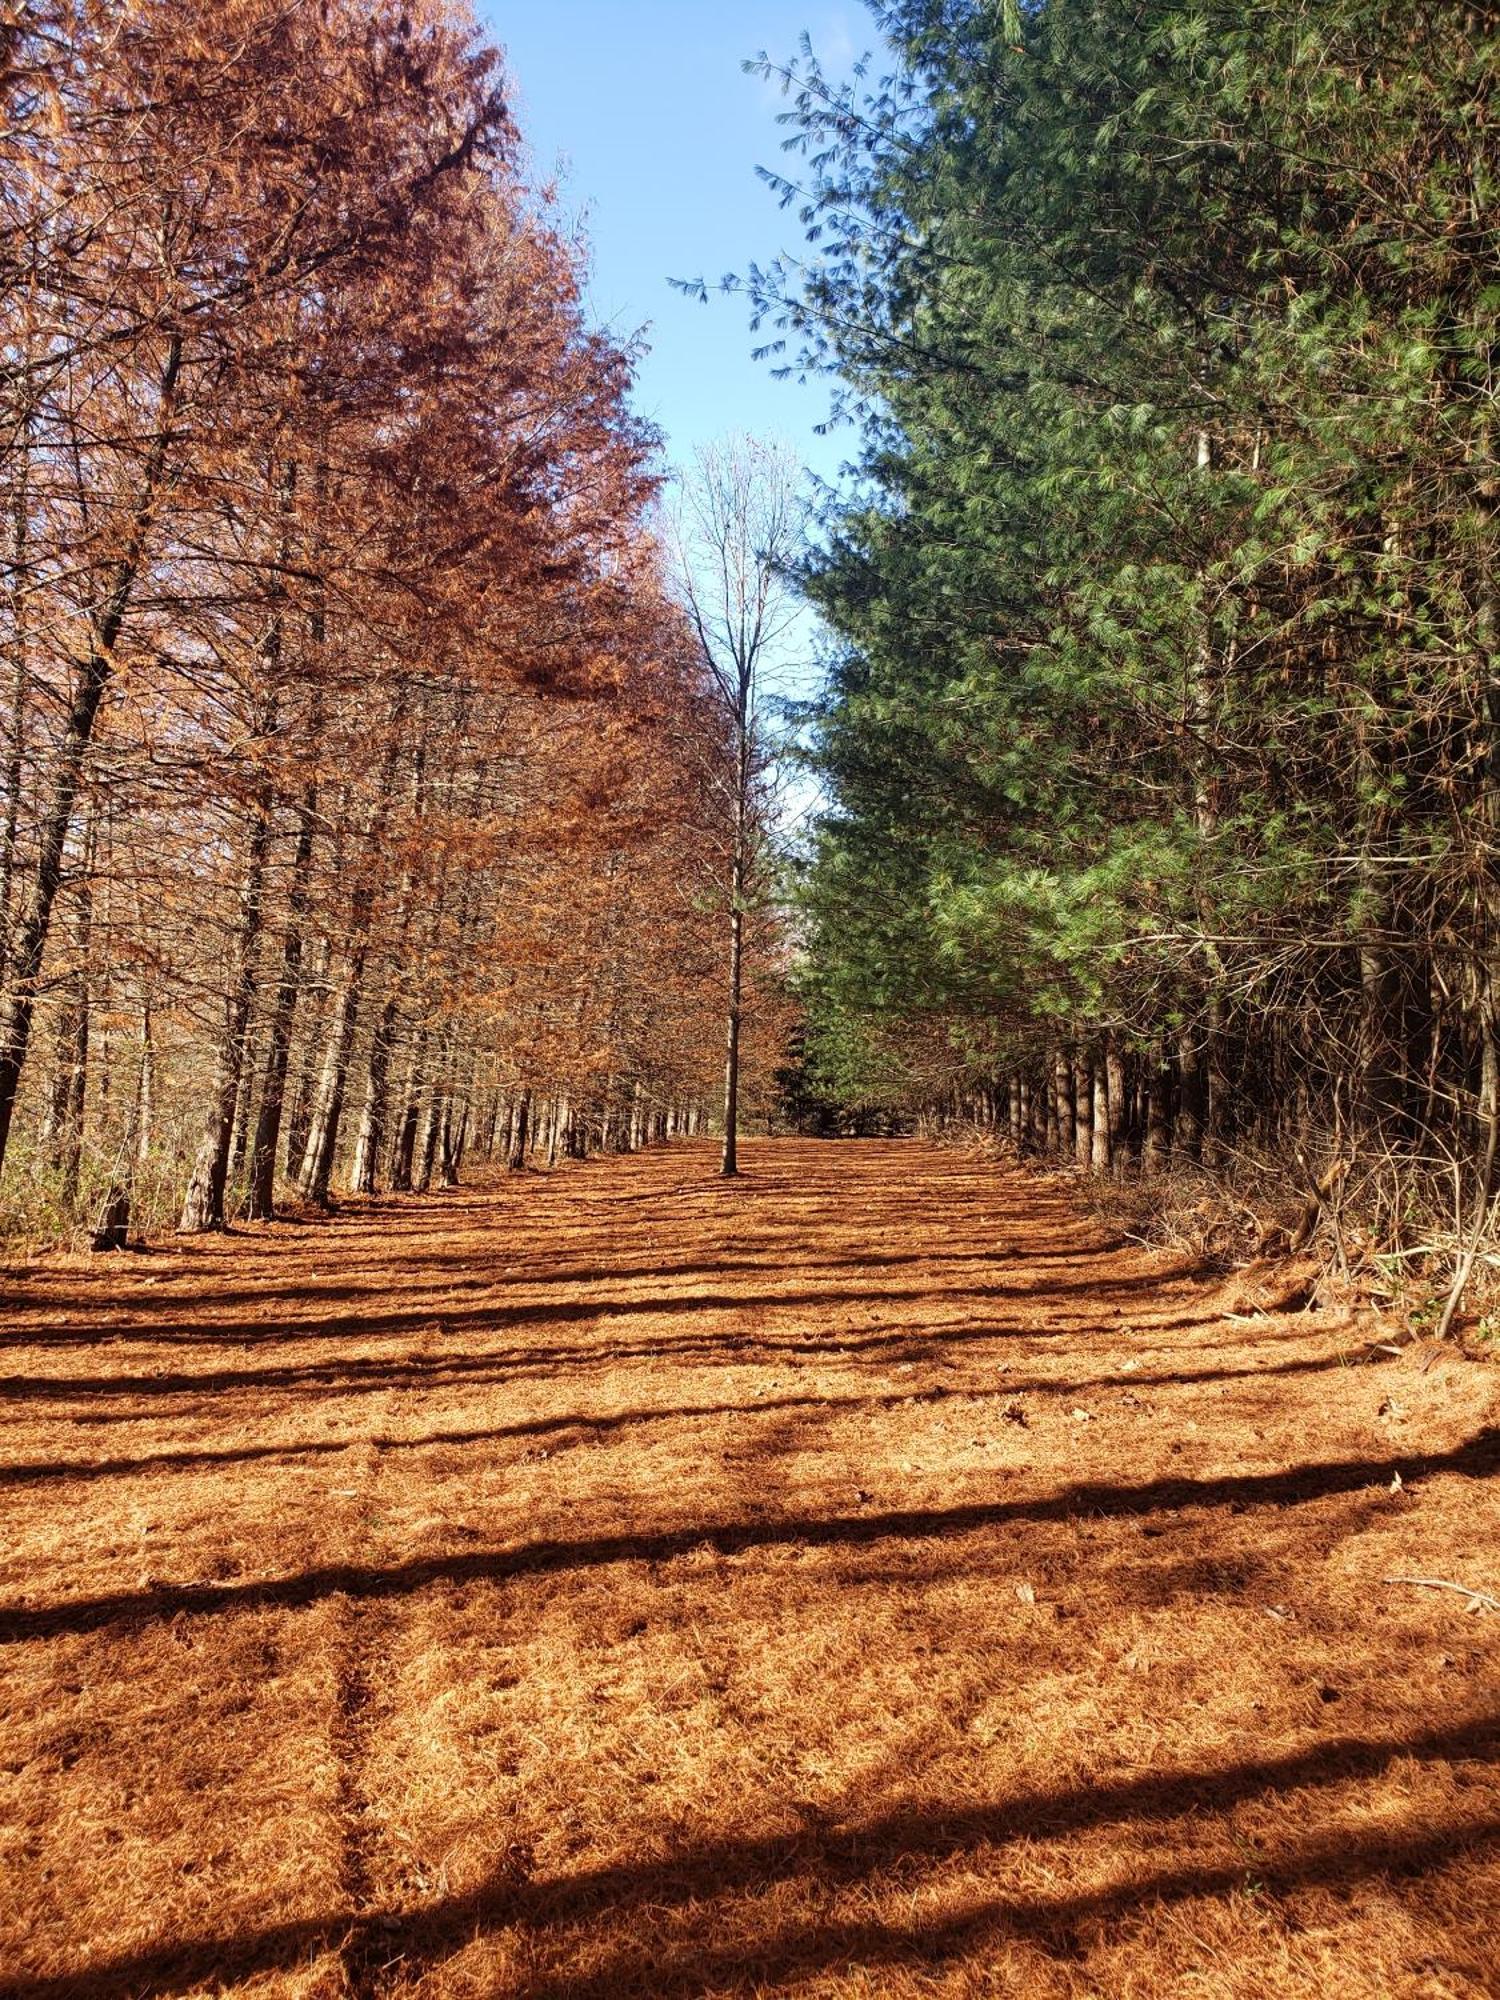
643,111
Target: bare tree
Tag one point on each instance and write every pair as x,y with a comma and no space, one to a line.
737,531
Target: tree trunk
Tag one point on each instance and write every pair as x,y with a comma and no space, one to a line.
15,737
1192,1094
203,1204
489,1121
323,1131
1384,1078
1083,1107
730,1163
244,1104
145,1095
283,1013
305,1093
404,1146
1114,1067
112,1222
1100,1160
454,1137
1051,1111
62,1128
368,1147
432,1123
1158,1144
576,1135
453,1142
30,942
1067,1121
515,1156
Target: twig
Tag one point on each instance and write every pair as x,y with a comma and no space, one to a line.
1323,1193
1468,1257
1479,1600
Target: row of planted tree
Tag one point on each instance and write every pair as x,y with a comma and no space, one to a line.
364,797
1112,1110
1163,736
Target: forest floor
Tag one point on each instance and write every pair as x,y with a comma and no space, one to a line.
867,1579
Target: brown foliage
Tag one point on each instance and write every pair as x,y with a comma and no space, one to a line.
343,690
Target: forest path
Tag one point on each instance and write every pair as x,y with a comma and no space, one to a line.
865,1579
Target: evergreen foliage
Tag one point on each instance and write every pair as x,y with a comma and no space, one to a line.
1162,733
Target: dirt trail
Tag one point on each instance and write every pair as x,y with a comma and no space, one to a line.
863,1580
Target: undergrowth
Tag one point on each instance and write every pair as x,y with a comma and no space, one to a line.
1361,1242
41,1211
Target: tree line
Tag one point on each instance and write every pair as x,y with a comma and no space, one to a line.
364,797
1162,735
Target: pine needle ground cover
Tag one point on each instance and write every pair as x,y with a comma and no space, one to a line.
867,1579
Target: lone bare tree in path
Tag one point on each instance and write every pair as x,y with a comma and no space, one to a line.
737,532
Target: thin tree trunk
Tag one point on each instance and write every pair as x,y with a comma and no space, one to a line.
454,1140
1100,1132
62,1130
94,677
490,1122
1067,1123
1083,1103
323,1130
1158,1121
730,1163
1051,1110
1203,1105
738,887
304,1095
1192,1094
515,1158
203,1204
432,1123
1114,1066
15,743
283,1013
370,1143
145,1091
244,1104
112,1222
404,1147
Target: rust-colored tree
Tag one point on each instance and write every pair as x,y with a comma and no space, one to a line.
351,793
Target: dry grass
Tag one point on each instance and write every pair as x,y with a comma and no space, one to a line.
866,1580
1255,1206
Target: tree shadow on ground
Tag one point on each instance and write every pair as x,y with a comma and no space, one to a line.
687,1890
1478,1458
399,1376
68,1291
317,1323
